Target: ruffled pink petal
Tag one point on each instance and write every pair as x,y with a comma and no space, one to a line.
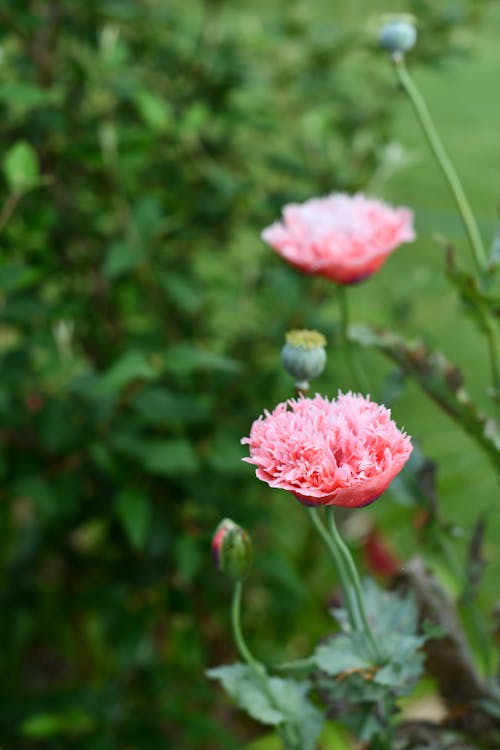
341,452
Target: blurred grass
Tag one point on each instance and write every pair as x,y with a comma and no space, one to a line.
467,114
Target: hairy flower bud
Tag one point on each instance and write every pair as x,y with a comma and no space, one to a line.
303,356
232,550
398,36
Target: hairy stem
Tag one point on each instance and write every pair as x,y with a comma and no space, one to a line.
353,575
348,592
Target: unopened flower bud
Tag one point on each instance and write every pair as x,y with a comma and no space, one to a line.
232,550
398,36
304,356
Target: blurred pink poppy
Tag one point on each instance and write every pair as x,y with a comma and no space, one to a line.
341,237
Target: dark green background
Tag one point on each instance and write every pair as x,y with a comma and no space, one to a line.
142,319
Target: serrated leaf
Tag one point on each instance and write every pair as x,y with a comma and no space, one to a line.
133,509
388,612
274,701
20,167
348,656
247,689
343,653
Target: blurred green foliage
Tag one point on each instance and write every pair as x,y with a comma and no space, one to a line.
144,145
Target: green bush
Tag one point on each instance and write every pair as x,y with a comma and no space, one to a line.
144,145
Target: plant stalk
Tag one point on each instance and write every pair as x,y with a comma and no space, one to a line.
348,592
358,376
354,577
423,116
285,731
444,162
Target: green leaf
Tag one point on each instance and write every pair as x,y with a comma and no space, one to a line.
226,453
133,365
171,457
121,258
274,701
183,359
189,556
343,653
40,493
20,167
133,509
155,111
26,96
247,689
159,406
388,612
16,276
70,722
348,656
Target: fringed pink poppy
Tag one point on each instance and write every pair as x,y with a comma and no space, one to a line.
341,237
340,452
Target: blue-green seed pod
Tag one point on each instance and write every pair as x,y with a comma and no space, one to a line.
398,36
232,550
304,356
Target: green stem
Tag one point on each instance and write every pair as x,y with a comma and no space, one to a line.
353,574
478,251
285,731
297,667
358,376
423,116
349,595
494,358
243,649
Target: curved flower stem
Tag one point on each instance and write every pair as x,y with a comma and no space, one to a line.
423,116
349,594
358,376
243,649
285,731
478,251
353,574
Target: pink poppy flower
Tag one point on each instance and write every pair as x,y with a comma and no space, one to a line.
340,452
341,237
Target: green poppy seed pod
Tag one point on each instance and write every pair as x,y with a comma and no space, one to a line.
304,356
397,37
232,550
